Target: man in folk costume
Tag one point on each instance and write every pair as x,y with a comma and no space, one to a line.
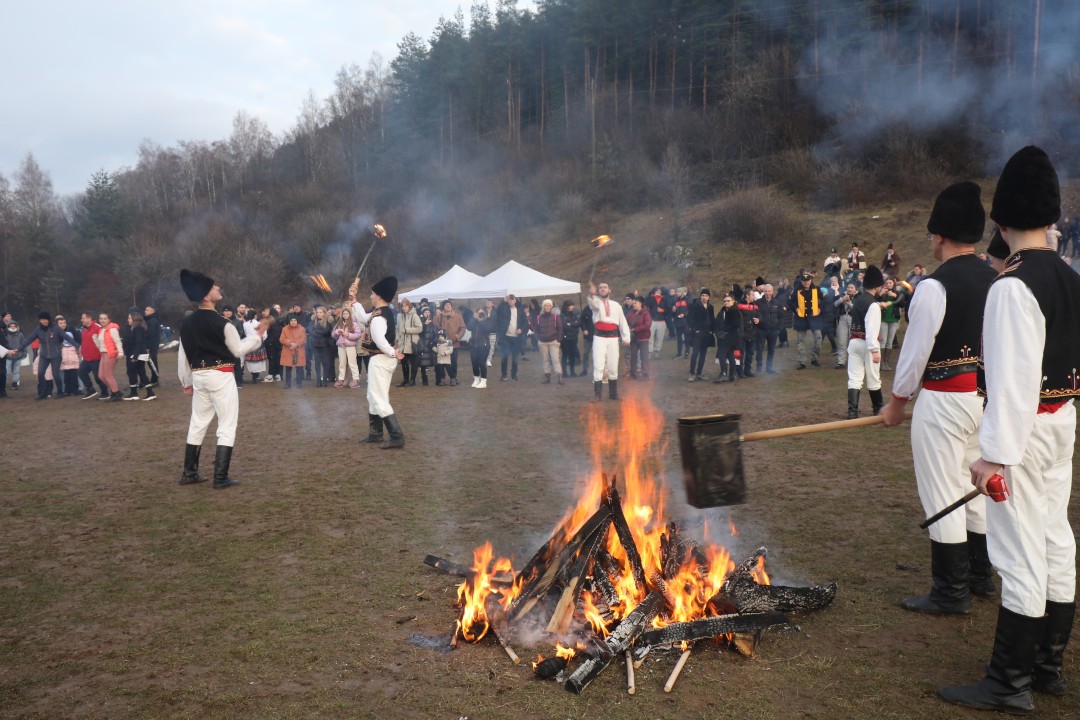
609,328
210,347
379,342
940,355
1030,353
864,352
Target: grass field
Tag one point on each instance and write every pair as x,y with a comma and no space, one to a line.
294,595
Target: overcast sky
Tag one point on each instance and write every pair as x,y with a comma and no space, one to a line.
85,82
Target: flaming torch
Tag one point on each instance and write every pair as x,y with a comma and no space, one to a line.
597,242
379,232
322,284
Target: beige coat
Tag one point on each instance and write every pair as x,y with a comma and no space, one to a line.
408,332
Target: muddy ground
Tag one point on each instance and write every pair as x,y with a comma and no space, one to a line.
295,594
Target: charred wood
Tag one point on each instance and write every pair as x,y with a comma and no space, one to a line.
617,642
710,627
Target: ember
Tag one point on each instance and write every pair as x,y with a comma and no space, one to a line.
615,577
321,283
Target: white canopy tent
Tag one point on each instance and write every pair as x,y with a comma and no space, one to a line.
447,285
516,279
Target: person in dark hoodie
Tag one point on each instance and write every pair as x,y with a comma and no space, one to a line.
153,342
699,322
728,328
51,342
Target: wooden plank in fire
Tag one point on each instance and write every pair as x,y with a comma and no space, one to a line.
564,611
617,642
710,627
742,594
545,575
454,569
626,537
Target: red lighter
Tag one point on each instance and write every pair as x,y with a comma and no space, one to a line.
998,489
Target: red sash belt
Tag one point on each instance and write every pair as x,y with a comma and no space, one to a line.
1051,407
605,326
962,383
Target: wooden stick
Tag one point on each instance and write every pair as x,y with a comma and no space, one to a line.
509,650
457,627
942,513
500,627
816,428
564,610
678,669
631,688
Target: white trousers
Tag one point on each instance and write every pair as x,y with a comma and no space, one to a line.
944,443
1029,538
605,356
380,374
213,393
346,355
860,365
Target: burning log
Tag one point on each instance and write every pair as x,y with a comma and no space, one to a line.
678,669
549,668
449,567
546,568
743,594
710,627
617,642
626,536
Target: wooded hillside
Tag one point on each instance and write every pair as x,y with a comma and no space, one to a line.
508,124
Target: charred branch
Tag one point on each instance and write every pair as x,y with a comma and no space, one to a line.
710,627
617,642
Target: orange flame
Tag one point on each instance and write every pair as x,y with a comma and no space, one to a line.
632,444
474,592
600,241
321,283
379,230
566,653
734,530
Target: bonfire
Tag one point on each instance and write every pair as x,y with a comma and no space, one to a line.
617,578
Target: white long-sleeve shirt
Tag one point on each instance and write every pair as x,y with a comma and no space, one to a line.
926,312
376,328
237,346
872,323
1014,337
609,311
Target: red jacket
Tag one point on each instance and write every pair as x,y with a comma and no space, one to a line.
89,347
640,323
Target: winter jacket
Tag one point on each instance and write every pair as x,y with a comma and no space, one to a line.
424,348
319,332
571,325
51,339
772,314
748,312
547,326
134,337
14,343
346,338
409,327
728,326
453,325
481,330
640,323
291,357
109,341
88,342
700,317
153,332
502,319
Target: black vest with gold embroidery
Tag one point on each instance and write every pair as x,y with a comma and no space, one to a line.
966,280
1057,290
387,314
203,336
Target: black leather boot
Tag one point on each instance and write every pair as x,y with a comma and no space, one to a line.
613,389
375,430
949,594
1007,685
980,571
852,404
221,468
876,400
393,428
191,465
1048,658
598,391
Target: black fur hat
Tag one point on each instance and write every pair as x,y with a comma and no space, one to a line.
1028,195
873,278
958,213
998,247
45,315
196,285
386,288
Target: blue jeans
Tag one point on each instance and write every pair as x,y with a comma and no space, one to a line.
509,347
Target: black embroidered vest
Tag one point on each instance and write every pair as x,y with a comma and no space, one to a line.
966,280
